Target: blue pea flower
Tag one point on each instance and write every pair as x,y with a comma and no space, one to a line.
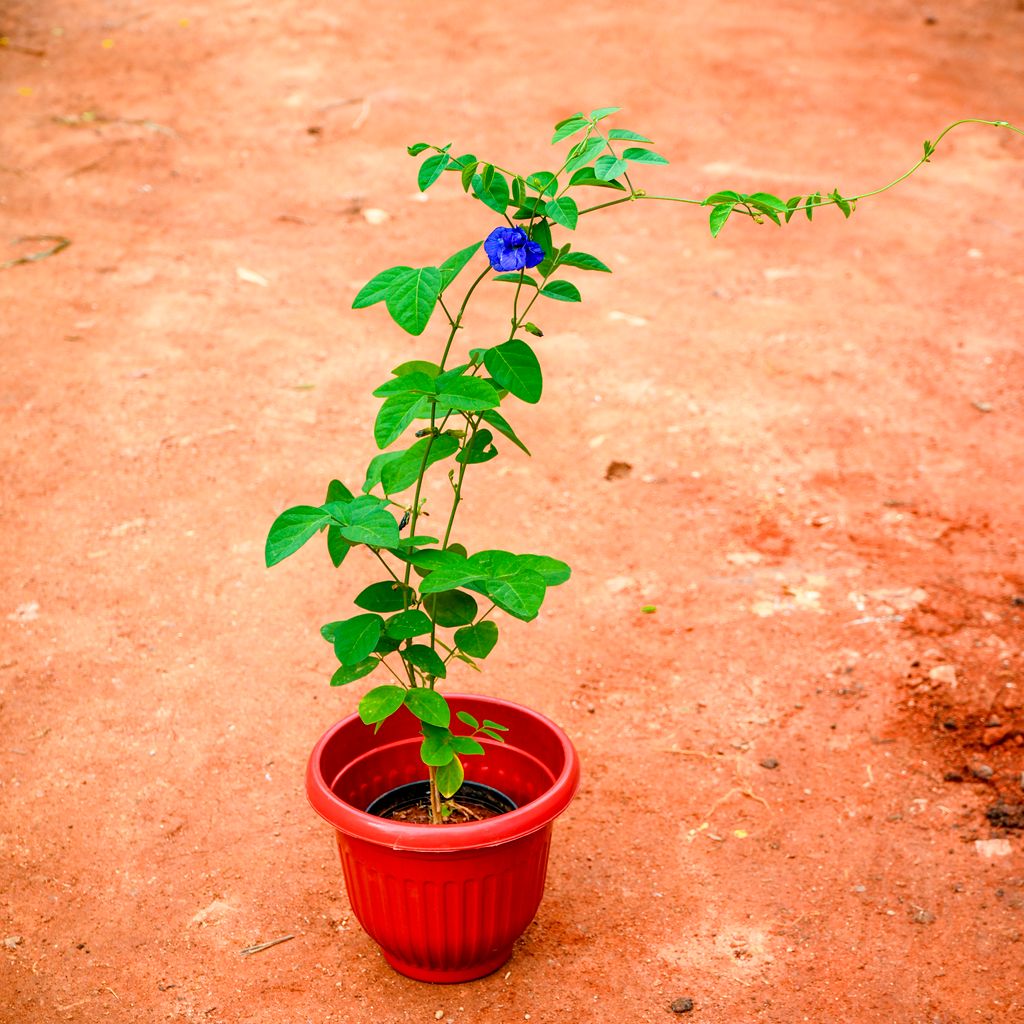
512,249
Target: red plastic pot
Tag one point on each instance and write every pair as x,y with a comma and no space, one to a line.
444,902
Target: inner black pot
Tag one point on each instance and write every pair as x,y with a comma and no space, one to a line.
413,793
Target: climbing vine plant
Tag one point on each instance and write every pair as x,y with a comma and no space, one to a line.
434,604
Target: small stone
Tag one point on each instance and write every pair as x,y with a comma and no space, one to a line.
13,941
982,771
1001,815
943,674
996,734
682,1005
769,763
989,848
952,777
922,916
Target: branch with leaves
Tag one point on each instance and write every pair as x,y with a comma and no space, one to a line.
426,614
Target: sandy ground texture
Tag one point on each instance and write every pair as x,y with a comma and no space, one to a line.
800,771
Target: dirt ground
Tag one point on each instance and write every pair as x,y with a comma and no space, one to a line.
800,772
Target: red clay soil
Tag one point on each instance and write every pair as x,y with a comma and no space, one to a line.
791,768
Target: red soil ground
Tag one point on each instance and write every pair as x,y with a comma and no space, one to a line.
824,503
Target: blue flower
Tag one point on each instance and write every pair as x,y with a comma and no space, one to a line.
512,249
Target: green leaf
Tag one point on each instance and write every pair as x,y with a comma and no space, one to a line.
514,366
727,196
791,206
406,383
431,169
427,660
376,289
428,706
404,471
467,719
480,449
291,529
406,625
466,745
449,578
436,749
625,135
494,726
812,202
584,261
766,201
608,167
516,277
582,153
460,163
386,596
416,148
412,296
454,264
543,182
449,777
355,638
385,646
643,156
423,366
337,546
370,525
551,570
395,414
381,702
468,171
450,608
494,193
466,394
719,215
563,211
602,112
436,558
564,291
496,420
337,491
350,673
586,176
929,148
477,641
842,203
521,594
376,468
541,234
570,126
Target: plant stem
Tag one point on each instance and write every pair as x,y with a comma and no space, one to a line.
436,817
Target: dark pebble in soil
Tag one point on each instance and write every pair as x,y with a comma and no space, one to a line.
682,1005
1006,815
952,777
769,762
982,771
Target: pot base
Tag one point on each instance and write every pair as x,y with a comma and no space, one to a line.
443,976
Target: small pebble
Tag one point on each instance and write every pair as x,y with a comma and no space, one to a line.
769,762
13,941
682,1005
982,771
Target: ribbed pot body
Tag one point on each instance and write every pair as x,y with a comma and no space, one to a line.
444,902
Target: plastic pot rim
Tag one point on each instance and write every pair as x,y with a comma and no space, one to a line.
474,835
